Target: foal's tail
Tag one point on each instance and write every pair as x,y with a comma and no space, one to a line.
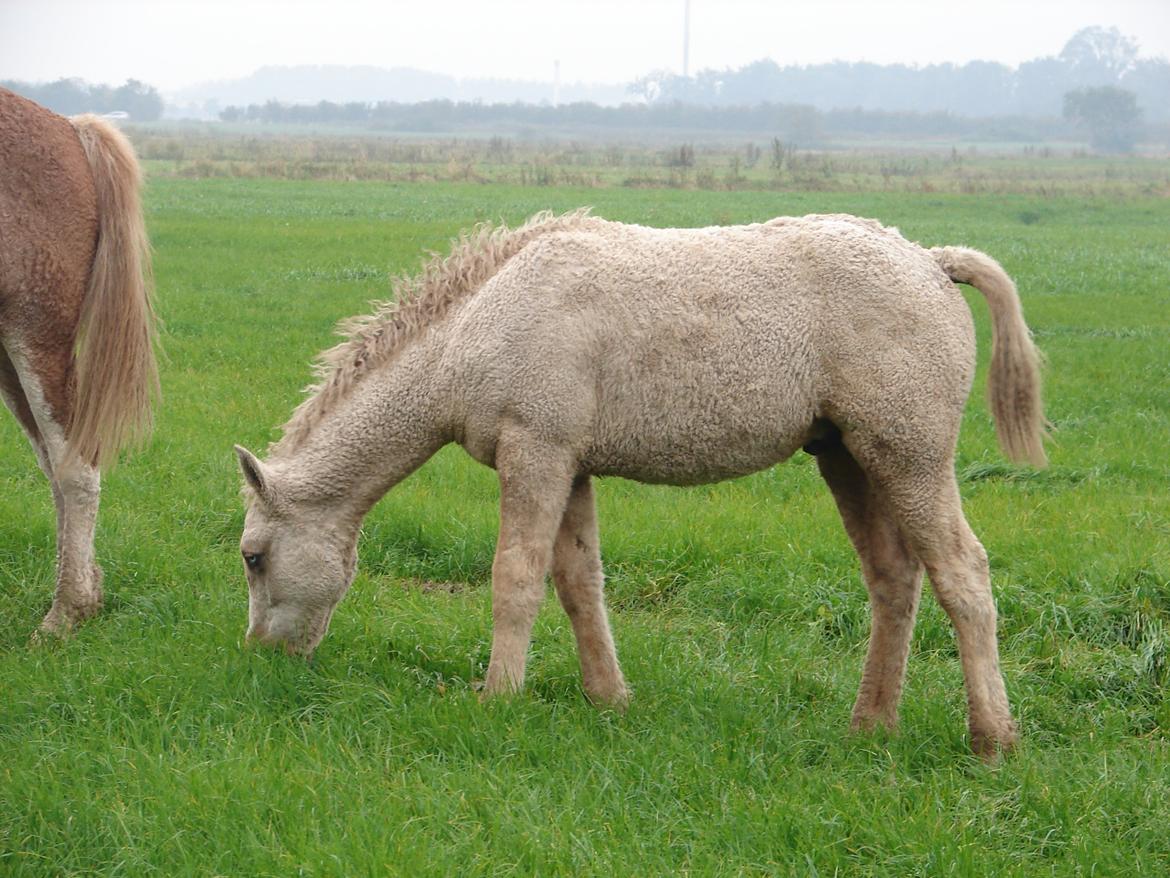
1013,384
117,377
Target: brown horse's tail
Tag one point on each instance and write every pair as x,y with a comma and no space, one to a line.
117,378
1013,383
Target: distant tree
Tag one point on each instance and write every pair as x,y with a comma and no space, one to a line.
1111,115
978,88
272,111
141,101
1041,85
354,111
1099,56
65,96
658,85
646,87
1150,81
755,82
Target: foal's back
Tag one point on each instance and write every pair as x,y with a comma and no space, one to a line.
690,355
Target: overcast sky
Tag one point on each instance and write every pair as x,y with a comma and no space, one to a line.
175,44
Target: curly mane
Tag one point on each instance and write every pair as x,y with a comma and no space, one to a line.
416,302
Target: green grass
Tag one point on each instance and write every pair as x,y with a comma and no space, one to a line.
153,743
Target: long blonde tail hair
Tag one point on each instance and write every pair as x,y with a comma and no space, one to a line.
1013,382
117,377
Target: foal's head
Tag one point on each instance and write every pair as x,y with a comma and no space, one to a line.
299,560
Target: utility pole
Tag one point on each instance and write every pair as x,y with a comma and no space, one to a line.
686,38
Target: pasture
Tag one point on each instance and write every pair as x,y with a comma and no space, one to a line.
153,742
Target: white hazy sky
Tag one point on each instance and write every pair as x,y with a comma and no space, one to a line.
174,44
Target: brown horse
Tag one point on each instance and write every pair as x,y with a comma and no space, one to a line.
77,328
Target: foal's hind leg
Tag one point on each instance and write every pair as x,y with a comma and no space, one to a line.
535,481
893,576
922,492
75,484
579,582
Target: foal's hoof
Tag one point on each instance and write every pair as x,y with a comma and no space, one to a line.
54,627
62,618
991,745
610,699
864,723
495,690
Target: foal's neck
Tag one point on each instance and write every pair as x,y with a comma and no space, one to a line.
384,429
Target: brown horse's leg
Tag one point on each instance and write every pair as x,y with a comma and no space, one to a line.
13,396
17,402
893,576
923,494
79,578
534,487
578,578
76,484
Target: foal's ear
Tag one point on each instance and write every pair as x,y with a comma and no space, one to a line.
253,471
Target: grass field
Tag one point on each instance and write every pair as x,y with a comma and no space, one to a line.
648,159
153,743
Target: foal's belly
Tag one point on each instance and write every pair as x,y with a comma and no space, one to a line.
674,451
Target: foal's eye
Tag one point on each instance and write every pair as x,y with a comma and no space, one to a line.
254,562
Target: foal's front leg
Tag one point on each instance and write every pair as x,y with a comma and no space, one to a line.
579,582
534,487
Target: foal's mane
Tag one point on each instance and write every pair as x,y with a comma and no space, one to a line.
416,302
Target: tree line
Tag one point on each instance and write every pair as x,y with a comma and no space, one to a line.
69,97
1108,116
1094,57
798,122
